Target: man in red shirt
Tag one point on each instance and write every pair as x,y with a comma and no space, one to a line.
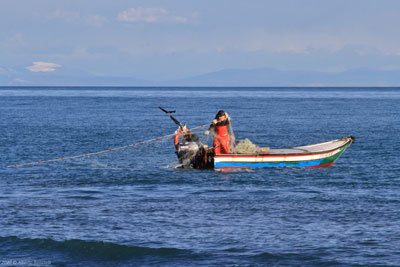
221,132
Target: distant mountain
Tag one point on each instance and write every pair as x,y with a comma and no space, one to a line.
273,77
20,76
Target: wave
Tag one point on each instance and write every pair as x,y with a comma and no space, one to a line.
92,250
299,259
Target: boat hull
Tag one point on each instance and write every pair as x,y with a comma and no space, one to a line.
313,156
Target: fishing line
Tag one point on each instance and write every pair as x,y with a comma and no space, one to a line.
99,152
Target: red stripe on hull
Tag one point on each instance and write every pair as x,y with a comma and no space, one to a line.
323,165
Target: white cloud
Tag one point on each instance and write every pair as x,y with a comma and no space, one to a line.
39,66
65,16
150,15
95,20
20,81
76,17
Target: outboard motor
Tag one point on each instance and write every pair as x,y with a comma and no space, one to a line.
187,152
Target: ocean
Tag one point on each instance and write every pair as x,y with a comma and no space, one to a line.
132,207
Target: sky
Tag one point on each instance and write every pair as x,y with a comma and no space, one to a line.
167,40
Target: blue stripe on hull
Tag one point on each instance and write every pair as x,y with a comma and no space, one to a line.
267,164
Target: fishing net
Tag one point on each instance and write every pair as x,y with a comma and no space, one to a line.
232,138
245,146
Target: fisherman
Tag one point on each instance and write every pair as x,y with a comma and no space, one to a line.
221,132
188,148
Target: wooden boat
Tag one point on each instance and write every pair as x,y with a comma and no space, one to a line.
317,155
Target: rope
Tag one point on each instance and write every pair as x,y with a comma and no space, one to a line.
97,153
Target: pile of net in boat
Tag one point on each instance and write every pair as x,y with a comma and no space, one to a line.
245,146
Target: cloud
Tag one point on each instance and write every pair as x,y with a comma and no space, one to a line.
20,81
65,16
150,15
95,20
39,66
76,17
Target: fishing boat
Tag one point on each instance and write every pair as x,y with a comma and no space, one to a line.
314,156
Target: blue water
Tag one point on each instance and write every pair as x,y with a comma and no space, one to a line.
132,207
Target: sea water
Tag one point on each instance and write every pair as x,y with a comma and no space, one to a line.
132,207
